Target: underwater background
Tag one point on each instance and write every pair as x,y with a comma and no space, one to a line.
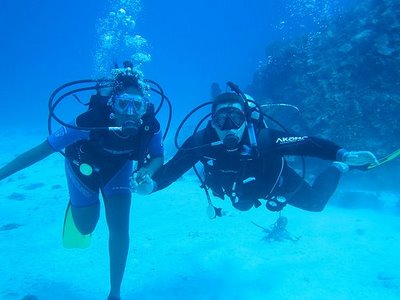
191,44
337,61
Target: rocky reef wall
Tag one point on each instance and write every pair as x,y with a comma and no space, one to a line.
345,79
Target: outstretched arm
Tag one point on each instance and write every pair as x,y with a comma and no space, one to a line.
183,160
26,159
154,164
149,169
287,144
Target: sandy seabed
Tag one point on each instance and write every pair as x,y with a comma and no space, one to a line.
176,252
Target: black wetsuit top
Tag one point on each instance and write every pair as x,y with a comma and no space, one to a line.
240,173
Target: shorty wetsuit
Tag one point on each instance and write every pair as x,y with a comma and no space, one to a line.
109,154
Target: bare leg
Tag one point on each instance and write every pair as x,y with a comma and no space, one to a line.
117,214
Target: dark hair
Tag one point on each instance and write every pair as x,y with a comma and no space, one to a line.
126,77
124,81
227,98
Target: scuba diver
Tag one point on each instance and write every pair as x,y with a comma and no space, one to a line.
245,160
100,146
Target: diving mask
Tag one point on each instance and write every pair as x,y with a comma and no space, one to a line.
129,104
229,123
228,118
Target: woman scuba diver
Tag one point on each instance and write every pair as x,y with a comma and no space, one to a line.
100,147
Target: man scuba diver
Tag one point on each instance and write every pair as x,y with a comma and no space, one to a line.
100,147
244,160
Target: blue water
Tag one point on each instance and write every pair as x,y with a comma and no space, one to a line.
45,43
192,44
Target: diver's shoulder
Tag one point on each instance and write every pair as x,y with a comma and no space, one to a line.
205,135
98,101
266,137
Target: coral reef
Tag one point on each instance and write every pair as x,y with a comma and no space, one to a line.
344,79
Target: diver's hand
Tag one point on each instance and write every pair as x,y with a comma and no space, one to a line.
142,185
359,158
141,173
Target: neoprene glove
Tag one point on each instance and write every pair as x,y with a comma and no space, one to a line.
359,158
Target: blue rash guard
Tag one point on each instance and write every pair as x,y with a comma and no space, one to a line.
109,153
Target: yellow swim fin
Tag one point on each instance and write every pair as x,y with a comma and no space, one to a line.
385,159
72,238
